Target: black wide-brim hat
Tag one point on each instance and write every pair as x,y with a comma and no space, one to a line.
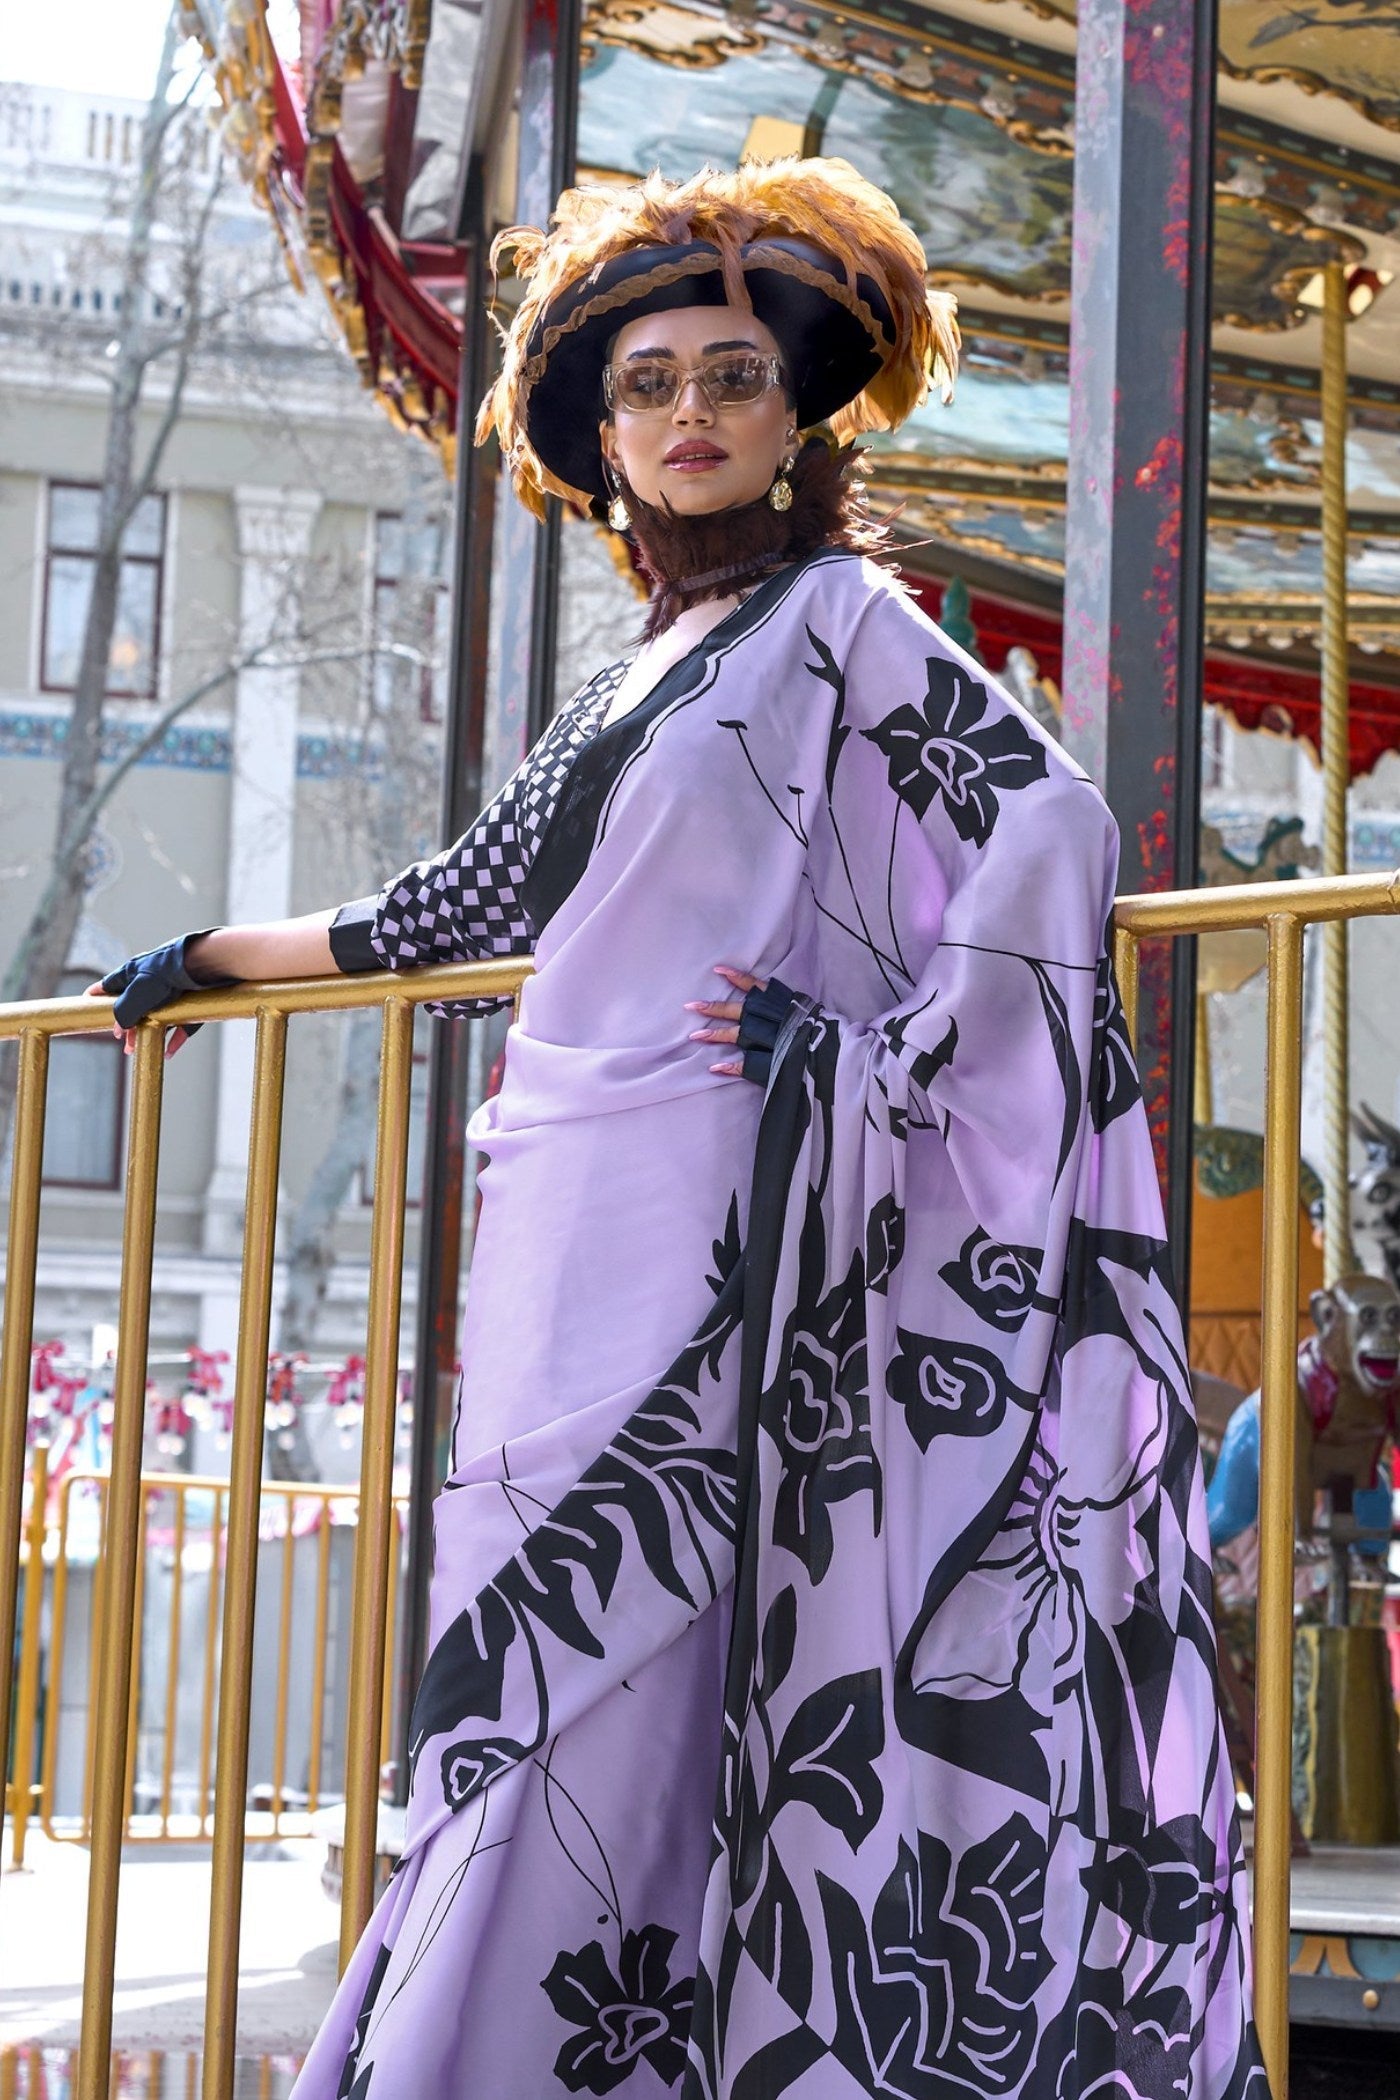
820,254
835,338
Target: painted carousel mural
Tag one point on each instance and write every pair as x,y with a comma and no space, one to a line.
349,119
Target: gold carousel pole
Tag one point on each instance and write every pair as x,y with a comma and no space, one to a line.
1336,773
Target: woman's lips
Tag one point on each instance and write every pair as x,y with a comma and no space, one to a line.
695,459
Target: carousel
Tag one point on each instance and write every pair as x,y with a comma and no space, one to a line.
1156,555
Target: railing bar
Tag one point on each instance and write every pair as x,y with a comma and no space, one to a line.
97,1605
291,995
284,1662
1278,1405
22,1255
172,1660
121,1561
1127,964
391,1607
1311,902
367,1634
240,1575
27,1719
318,1655
133,1722
211,1653
57,1649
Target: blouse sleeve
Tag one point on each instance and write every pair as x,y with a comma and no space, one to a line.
464,905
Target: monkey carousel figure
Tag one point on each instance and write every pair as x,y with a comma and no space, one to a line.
1348,1414
1344,1750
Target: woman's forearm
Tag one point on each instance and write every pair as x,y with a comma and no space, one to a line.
280,948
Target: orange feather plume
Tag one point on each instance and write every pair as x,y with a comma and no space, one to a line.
825,202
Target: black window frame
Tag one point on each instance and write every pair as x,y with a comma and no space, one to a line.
150,691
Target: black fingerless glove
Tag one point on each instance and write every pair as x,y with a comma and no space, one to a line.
761,1017
145,982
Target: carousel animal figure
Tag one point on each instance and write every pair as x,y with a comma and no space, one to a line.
1348,1406
1344,1766
1280,855
1378,1186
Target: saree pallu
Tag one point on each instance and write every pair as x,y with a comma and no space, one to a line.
821,1697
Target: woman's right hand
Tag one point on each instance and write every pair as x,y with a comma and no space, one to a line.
280,948
150,980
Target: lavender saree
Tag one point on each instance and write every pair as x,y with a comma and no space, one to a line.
821,1698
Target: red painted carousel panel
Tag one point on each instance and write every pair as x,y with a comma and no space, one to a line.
290,119
424,331
1255,695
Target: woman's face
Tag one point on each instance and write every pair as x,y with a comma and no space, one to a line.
691,455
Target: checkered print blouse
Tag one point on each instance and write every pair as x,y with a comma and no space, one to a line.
464,904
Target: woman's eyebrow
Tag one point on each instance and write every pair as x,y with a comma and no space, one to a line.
660,350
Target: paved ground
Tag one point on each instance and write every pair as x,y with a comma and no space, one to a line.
288,1951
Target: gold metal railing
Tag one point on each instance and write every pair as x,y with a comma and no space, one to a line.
33,2071
270,1005
1282,910
184,1514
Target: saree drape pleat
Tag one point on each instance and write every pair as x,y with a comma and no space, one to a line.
822,1698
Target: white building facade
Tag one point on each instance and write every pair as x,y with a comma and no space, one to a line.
275,508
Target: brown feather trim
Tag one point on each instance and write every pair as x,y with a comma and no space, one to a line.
824,201
679,555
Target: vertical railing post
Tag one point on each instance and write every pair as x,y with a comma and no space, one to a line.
21,1259
241,1566
284,1658
27,1717
1278,1417
58,1631
133,1700
123,1545
318,1654
371,1585
209,1690
1127,962
172,1660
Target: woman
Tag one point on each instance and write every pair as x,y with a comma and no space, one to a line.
821,1692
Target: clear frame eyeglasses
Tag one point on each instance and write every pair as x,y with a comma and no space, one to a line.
730,379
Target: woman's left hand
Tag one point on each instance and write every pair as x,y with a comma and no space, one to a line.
722,1016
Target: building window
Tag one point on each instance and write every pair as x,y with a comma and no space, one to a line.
68,571
388,571
87,1093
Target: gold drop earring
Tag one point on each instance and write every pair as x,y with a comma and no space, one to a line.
780,495
619,516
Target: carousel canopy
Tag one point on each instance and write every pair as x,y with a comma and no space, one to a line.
351,128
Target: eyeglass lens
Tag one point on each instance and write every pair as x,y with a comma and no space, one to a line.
725,381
